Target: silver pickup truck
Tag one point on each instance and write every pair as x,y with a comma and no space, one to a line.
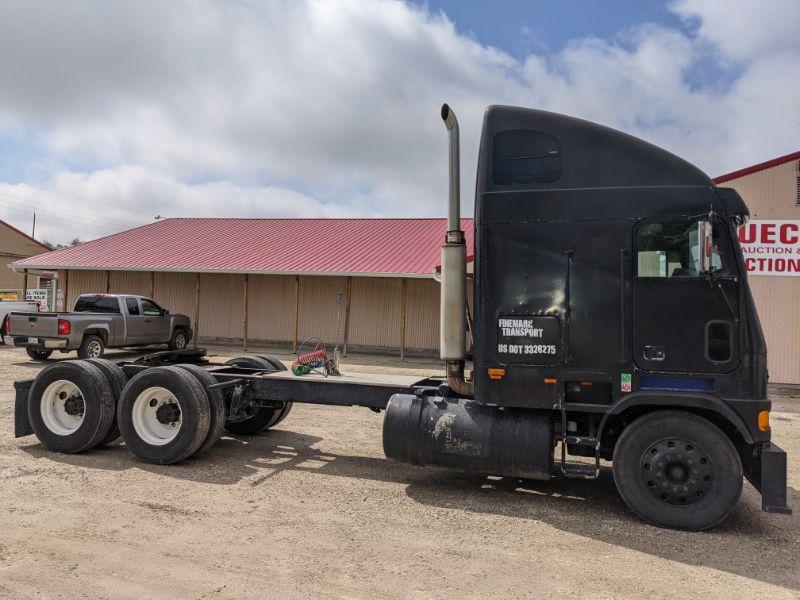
99,321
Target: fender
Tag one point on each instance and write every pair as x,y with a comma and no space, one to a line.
678,399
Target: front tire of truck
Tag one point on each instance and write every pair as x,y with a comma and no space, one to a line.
38,354
71,406
92,346
163,415
676,469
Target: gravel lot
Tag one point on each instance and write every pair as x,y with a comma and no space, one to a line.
312,508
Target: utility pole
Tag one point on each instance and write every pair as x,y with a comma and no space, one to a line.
33,230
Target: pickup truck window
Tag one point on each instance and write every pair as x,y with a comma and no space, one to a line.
97,304
133,306
150,308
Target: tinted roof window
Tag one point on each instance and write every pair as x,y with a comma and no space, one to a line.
521,156
99,304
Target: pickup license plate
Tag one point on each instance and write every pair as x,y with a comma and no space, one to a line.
33,340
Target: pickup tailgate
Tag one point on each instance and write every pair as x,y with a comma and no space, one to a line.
43,324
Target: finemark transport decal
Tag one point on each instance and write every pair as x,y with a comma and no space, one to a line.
771,247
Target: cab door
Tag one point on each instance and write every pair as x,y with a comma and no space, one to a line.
684,320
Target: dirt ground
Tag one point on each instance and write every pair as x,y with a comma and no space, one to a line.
313,509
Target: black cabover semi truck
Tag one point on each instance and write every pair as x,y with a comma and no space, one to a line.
612,314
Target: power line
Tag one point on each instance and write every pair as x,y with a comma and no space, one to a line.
65,211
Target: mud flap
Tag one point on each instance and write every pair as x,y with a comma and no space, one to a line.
767,473
22,425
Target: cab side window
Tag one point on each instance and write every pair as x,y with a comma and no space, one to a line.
668,249
150,308
133,306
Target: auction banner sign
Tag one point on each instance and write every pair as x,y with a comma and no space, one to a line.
771,247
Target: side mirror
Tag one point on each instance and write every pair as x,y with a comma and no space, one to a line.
705,237
164,312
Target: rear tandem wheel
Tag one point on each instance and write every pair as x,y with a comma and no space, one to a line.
267,416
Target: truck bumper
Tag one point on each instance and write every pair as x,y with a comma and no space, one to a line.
766,470
22,424
40,343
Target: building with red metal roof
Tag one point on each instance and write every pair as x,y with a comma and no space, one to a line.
362,283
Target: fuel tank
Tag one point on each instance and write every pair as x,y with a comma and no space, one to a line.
458,433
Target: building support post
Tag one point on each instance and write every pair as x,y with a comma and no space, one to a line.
296,312
348,292
24,284
108,282
244,324
153,285
197,312
403,295
66,306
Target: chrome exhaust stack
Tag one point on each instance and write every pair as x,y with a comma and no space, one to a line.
453,309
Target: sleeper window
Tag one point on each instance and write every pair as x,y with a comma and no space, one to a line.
671,249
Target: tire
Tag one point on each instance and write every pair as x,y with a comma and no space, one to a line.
287,407
179,340
216,403
146,435
60,426
38,354
266,416
92,346
675,469
117,380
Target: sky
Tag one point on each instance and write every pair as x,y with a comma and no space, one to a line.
113,113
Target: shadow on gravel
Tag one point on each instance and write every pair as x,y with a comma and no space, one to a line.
751,544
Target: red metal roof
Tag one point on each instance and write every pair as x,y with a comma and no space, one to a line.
756,168
381,247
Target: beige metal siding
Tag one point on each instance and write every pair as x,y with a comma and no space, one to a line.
422,315
772,194
139,283
85,282
221,307
318,308
375,313
270,308
13,247
176,292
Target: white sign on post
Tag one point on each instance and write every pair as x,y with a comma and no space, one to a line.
40,296
771,247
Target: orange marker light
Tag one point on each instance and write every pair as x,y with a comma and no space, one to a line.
551,381
496,373
763,420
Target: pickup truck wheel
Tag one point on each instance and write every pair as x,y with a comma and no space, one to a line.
216,402
675,469
266,416
117,380
38,354
179,340
92,347
163,415
71,406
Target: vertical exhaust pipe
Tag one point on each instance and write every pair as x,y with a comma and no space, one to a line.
453,309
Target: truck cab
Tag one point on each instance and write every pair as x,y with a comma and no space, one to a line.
612,314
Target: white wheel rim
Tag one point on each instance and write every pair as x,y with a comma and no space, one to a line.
53,407
94,349
145,416
180,341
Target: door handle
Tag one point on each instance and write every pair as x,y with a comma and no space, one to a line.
654,353
148,320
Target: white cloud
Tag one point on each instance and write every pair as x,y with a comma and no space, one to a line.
330,108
